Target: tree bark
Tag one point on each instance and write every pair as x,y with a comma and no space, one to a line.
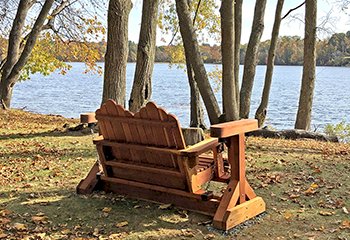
303,119
16,60
250,60
230,108
13,52
196,108
196,118
114,86
238,31
142,86
191,45
260,113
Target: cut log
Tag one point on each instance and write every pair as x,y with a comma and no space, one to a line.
292,134
192,135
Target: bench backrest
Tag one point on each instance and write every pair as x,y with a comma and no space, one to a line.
151,126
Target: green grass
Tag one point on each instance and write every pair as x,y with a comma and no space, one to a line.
305,184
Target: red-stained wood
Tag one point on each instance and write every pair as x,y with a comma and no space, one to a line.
160,194
228,129
219,162
167,131
143,155
177,133
118,131
237,145
154,134
228,200
88,184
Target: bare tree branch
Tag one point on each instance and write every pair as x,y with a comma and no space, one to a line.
293,9
31,39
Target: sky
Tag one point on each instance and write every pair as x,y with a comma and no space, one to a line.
338,20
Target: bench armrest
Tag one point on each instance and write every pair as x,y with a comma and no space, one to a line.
229,129
200,147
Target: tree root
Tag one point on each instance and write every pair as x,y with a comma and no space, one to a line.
292,134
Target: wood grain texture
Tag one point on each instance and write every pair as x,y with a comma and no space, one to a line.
228,129
143,159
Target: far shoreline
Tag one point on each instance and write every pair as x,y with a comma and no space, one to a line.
215,63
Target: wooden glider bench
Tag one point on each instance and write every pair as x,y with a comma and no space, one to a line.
144,156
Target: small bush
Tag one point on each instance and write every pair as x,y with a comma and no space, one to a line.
340,130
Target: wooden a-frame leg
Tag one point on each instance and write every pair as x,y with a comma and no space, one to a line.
239,202
90,183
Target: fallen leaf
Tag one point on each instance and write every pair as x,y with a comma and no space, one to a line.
96,232
287,215
165,206
345,224
122,224
20,226
137,206
65,231
321,229
209,236
106,209
3,235
39,219
314,185
293,196
205,222
310,191
5,212
345,210
4,220
325,213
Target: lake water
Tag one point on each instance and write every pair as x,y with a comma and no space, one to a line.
75,93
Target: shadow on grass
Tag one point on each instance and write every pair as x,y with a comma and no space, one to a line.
52,152
53,133
82,215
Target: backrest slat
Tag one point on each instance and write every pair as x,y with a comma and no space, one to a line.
150,126
106,128
159,135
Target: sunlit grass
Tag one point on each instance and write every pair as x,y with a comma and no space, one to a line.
306,185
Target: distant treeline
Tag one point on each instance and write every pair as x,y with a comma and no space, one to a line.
334,51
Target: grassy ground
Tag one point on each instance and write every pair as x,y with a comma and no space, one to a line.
306,186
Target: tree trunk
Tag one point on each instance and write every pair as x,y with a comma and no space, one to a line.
195,59
114,86
196,119
303,119
238,30
6,90
142,86
13,52
196,108
260,113
230,108
250,60
16,60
